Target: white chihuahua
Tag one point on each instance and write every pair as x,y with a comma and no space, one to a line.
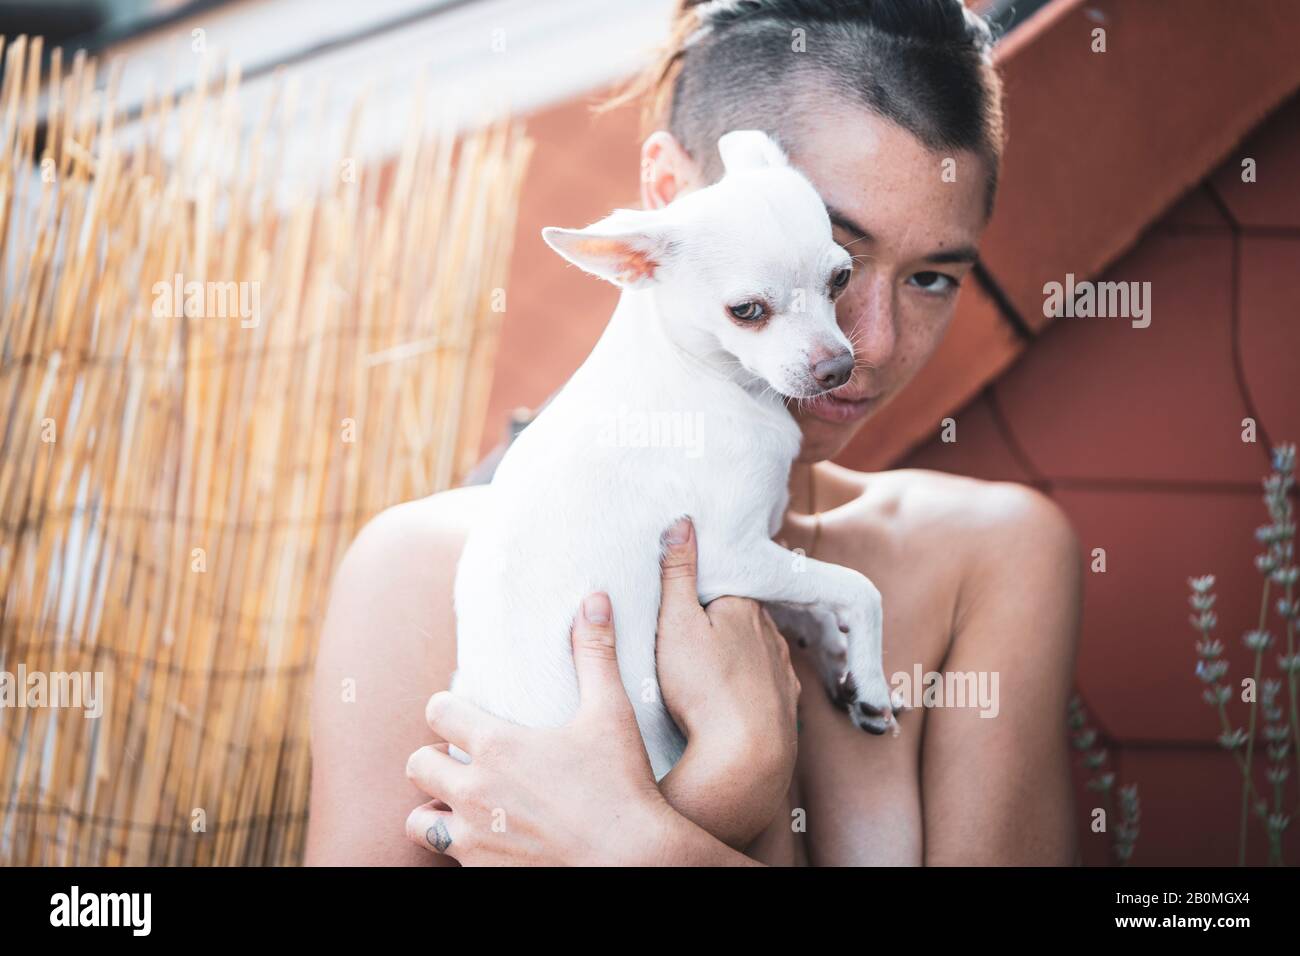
727,311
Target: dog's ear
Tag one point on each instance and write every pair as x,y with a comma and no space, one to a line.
627,248
749,149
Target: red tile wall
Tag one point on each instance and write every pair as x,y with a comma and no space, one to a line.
1136,433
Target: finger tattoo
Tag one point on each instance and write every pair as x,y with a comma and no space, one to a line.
438,837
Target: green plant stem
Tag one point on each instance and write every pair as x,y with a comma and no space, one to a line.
1275,839
1112,817
1241,765
1227,724
1250,734
1291,689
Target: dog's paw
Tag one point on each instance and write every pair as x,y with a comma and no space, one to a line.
868,704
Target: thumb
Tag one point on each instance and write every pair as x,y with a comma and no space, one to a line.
679,597
593,651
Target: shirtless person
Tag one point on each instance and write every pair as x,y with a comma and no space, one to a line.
976,577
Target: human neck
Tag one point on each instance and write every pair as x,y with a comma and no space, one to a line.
804,488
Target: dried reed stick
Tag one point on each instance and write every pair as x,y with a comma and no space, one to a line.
176,489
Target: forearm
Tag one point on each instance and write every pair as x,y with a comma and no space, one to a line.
676,840
729,790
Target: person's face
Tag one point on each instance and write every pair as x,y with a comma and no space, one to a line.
913,236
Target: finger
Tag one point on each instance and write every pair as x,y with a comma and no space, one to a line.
680,599
445,748
458,721
433,829
594,655
436,773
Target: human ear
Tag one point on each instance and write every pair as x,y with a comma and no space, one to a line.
667,170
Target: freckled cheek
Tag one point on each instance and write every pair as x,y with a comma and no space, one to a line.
924,332
853,312
919,335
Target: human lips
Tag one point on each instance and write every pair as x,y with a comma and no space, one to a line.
838,407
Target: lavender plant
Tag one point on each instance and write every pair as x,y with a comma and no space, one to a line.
1127,812
1280,732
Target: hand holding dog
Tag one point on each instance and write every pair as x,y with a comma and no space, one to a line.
726,677
544,795
580,794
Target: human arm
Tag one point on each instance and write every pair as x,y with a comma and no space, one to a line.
387,642
580,794
727,682
997,789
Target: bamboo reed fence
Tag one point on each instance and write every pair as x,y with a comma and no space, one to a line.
180,476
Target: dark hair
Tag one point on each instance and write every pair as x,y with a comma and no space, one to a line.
737,64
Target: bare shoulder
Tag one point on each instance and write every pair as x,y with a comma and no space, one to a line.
1002,556
413,538
387,644
390,609
972,519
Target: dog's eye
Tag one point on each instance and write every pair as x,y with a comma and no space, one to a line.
839,280
746,311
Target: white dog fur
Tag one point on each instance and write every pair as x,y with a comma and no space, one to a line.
576,506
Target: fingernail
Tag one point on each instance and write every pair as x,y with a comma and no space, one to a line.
680,532
596,608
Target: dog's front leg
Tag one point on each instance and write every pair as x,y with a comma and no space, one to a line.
765,571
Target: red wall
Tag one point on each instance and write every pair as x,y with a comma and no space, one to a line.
1136,433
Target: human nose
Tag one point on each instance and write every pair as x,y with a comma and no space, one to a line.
872,321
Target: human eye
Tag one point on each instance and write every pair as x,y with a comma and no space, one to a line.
934,283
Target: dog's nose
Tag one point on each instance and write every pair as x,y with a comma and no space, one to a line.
835,371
